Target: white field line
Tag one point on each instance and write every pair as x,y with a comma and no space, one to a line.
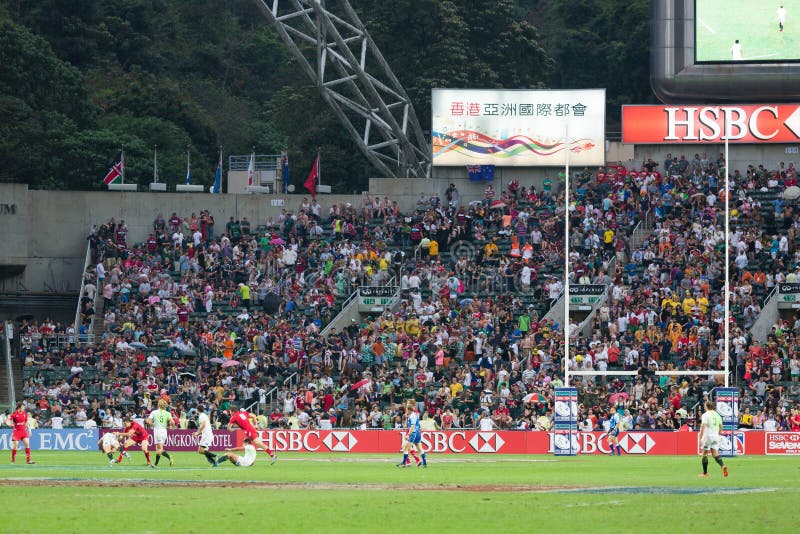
706,26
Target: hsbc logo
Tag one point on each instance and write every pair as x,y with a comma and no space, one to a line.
338,441
636,443
746,123
486,442
782,443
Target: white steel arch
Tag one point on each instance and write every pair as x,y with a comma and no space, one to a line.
339,56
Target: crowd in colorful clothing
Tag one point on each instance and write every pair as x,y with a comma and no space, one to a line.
225,315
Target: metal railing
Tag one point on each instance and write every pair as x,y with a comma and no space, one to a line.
7,329
87,259
262,162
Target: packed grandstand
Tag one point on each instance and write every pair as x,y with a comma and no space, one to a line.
225,312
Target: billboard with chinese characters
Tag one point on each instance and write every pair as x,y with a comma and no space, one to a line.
518,128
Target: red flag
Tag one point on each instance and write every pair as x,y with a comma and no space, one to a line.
114,174
311,181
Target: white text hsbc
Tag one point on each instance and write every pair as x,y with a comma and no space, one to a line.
706,123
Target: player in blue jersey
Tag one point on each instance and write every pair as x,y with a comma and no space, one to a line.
412,439
615,426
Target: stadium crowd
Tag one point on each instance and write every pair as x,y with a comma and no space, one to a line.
234,315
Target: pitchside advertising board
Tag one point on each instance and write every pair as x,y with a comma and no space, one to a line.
752,442
518,127
766,123
185,440
565,422
46,439
728,409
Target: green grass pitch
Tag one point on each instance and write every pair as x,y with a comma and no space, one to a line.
720,22
80,492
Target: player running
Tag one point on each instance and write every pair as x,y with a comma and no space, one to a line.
615,426
246,421
780,15
247,460
134,434
19,420
205,433
160,419
710,425
109,444
413,437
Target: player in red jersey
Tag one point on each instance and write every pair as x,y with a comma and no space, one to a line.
246,421
134,434
19,420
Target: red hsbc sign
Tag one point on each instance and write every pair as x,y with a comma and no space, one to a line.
513,442
767,123
782,443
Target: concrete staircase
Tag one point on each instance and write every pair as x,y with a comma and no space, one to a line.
96,330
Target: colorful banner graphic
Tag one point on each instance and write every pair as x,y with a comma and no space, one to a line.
518,127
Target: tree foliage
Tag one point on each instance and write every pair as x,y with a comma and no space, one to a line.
81,78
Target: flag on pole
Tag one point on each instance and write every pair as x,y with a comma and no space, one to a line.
155,164
114,175
217,188
188,166
251,169
311,181
286,178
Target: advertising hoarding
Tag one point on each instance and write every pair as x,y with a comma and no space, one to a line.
518,127
699,124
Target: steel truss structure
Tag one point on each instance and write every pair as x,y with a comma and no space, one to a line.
340,57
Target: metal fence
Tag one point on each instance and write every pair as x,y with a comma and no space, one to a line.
263,162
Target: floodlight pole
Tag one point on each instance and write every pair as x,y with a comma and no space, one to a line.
566,265
727,294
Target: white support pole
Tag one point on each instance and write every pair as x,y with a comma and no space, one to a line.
566,266
727,294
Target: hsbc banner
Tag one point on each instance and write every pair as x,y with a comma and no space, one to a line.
511,442
782,442
47,439
184,440
767,123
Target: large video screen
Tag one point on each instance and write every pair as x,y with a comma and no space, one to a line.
749,31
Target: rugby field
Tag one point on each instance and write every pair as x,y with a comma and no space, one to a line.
80,492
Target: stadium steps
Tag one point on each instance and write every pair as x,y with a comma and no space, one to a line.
17,370
99,314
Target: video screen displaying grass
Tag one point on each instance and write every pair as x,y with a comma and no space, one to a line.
754,23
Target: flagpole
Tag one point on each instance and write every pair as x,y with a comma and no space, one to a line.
218,185
122,159
727,257
188,164
319,169
155,164
566,266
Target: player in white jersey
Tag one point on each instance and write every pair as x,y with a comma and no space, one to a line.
109,444
246,460
736,51
160,419
710,425
205,434
780,15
